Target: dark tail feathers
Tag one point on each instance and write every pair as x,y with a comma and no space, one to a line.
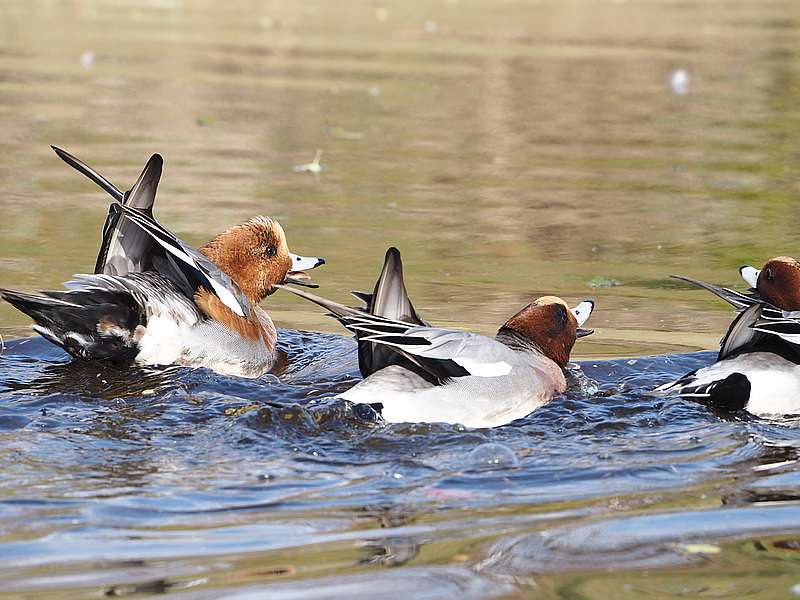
89,324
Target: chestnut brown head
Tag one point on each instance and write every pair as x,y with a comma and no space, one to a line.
255,255
778,282
551,326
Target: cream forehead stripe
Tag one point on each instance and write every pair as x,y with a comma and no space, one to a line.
549,300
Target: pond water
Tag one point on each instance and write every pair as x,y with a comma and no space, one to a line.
509,149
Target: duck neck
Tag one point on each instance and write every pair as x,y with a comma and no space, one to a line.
516,341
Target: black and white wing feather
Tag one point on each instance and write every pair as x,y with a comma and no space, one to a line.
125,248
186,267
435,354
741,335
389,298
780,323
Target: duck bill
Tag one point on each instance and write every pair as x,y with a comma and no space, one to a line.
582,312
297,275
750,275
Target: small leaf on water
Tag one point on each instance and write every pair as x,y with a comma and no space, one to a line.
699,548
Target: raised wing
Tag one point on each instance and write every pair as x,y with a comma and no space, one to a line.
186,267
389,298
125,247
750,330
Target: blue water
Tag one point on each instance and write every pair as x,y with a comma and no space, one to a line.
143,481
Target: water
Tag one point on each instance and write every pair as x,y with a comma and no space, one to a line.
509,150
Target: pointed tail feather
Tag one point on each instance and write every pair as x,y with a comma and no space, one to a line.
338,311
736,299
89,172
390,298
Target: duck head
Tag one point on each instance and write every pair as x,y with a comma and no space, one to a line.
255,255
777,282
551,326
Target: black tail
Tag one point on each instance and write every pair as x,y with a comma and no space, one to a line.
88,323
389,300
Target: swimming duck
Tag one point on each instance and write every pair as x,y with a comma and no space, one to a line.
414,372
758,365
156,300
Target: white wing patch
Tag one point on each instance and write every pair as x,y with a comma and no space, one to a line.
482,369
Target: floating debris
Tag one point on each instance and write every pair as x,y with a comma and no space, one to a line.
374,91
679,82
240,410
87,59
598,281
698,548
344,134
431,27
204,121
267,22
312,167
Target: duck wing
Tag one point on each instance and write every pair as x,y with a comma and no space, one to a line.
124,248
187,268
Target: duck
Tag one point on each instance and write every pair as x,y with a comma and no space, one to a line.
414,372
153,299
757,369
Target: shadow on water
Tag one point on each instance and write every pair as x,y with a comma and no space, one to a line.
114,478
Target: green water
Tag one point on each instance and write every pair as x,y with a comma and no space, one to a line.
510,149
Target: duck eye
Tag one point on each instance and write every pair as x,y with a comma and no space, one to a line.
561,316
271,250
